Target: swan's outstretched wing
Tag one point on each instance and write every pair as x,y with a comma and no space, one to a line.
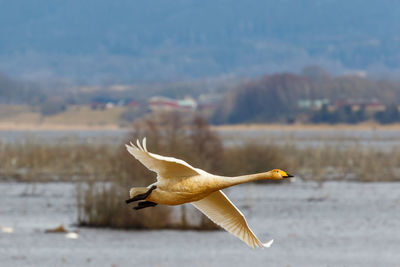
165,167
221,211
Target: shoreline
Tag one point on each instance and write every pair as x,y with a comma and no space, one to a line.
12,126
9,126
308,127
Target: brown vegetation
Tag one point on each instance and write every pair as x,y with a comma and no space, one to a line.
105,172
32,162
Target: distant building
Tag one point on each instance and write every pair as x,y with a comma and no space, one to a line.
374,106
110,105
315,104
133,104
371,106
160,103
107,103
97,105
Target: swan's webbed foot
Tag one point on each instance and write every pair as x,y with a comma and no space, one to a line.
144,204
141,196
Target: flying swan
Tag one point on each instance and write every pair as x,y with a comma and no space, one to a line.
179,183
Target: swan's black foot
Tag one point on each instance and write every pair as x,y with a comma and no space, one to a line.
141,196
145,204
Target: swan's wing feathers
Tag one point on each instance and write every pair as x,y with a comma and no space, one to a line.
221,211
165,167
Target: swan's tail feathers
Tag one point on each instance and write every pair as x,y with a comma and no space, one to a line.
268,244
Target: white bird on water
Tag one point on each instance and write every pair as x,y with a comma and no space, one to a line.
179,183
7,230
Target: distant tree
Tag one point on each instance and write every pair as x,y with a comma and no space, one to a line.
343,114
390,115
316,73
270,99
49,108
17,92
361,114
322,115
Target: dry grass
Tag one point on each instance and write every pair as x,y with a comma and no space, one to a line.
77,116
355,163
18,114
253,158
7,111
84,115
45,162
103,162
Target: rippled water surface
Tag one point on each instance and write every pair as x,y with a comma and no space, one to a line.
338,224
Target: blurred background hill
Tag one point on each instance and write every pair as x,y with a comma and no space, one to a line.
94,42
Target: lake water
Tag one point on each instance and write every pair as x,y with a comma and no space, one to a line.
338,224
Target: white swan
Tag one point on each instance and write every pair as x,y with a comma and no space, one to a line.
179,183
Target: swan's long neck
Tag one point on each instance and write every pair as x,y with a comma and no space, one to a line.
230,181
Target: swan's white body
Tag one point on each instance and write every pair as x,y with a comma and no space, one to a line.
179,183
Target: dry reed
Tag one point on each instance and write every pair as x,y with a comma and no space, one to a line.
106,172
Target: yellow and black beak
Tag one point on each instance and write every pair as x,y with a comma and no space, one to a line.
288,175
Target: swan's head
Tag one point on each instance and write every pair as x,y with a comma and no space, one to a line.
279,174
